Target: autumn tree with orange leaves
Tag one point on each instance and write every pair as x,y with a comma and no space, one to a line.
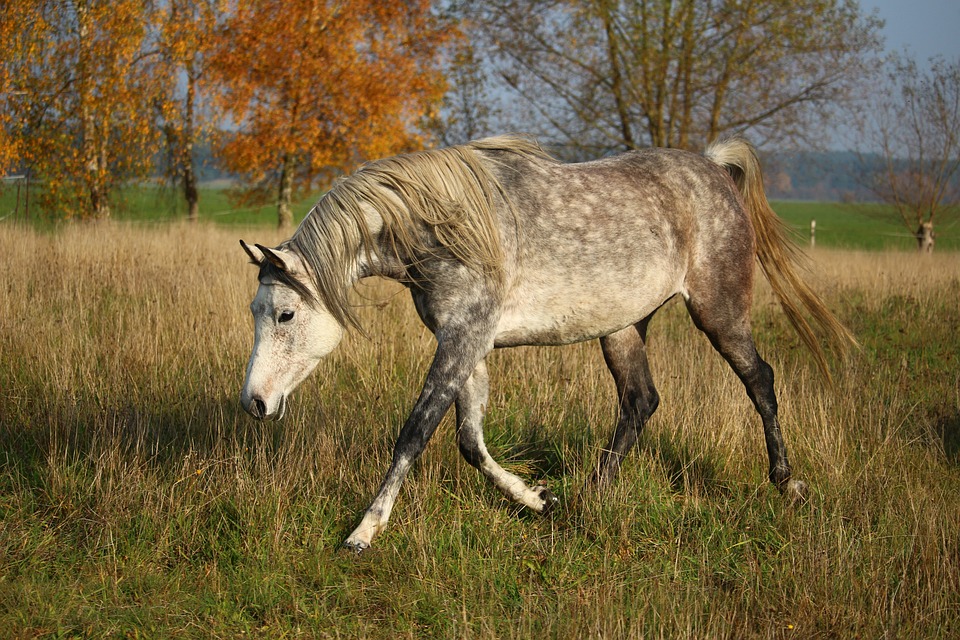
11,34
75,99
186,36
315,87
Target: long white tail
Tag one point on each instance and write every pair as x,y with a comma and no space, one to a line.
778,256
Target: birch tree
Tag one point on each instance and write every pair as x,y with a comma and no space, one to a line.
468,110
16,41
81,111
186,36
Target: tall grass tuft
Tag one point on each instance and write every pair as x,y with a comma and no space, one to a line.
137,500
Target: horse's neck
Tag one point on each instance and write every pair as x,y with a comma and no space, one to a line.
382,261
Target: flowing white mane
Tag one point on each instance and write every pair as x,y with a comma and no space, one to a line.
443,200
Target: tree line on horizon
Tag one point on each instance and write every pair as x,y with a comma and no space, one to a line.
289,94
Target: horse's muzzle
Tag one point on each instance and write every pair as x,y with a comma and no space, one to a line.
258,408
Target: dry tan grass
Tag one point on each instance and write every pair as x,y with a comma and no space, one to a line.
136,496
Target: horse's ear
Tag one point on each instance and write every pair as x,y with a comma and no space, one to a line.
280,259
256,256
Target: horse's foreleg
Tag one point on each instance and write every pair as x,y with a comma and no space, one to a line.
452,365
471,404
626,357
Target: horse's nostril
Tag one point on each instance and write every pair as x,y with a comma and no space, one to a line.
258,408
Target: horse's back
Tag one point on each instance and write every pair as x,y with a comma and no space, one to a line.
597,246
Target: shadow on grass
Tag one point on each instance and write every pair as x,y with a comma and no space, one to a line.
537,454
947,429
687,471
156,436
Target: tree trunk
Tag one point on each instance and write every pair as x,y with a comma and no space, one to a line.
94,155
97,198
102,209
925,237
284,211
616,78
190,191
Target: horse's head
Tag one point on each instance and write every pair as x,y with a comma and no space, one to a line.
292,332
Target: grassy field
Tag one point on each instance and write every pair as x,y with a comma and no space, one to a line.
151,204
137,500
859,226
843,226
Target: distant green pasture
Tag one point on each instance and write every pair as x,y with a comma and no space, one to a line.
216,205
852,226
838,225
161,204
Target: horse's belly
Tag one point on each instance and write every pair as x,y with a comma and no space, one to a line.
555,318
540,328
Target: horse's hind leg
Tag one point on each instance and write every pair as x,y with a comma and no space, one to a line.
725,321
471,404
626,357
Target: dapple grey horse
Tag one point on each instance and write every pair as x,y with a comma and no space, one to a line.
502,245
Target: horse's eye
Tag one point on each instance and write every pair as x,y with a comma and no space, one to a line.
286,316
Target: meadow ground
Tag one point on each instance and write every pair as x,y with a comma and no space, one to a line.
137,500
840,226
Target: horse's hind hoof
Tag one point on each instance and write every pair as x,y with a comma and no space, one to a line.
795,492
550,501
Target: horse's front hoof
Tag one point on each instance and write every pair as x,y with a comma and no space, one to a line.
355,547
550,501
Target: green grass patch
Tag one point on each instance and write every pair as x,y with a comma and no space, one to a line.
151,204
854,226
845,226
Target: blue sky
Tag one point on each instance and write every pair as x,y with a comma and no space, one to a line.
925,27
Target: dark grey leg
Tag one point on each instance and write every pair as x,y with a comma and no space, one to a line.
735,343
626,357
453,363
